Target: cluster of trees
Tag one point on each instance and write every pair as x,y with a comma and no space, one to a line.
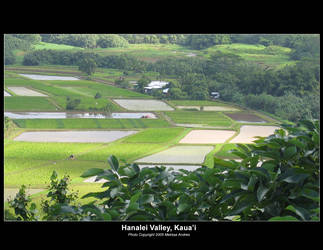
285,187
237,81
18,42
86,40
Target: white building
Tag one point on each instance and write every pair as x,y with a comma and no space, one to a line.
155,85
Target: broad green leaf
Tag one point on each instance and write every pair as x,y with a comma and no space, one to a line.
243,148
224,163
106,216
295,178
182,207
297,143
283,218
92,172
54,176
135,167
238,153
113,162
114,191
240,207
316,138
302,212
252,182
146,198
289,152
261,192
268,166
135,197
133,206
311,194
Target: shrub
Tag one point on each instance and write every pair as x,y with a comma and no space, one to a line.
72,104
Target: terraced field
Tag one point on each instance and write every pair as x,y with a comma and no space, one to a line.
169,139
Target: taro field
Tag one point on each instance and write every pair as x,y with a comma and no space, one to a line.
180,132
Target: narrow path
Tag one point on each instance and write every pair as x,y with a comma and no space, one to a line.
163,115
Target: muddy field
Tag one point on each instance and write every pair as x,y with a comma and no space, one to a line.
241,117
207,136
25,91
143,105
45,77
209,108
247,133
73,136
178,155
63,115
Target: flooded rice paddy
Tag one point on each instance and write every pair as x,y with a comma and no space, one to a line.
143,105
47,77
25,91
64,115
73,136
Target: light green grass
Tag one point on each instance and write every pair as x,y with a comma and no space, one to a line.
54,46
123,151
12,165
30,103
274,56
88,123
196,103
45,150
40,176
155,135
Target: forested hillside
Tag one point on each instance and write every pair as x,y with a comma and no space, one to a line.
278,74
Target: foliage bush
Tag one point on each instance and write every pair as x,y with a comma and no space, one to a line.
278,179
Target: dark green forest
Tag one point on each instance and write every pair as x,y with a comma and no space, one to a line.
291,92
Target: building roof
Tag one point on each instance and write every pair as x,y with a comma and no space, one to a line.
157,84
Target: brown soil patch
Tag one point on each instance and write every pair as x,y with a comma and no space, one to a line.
242,117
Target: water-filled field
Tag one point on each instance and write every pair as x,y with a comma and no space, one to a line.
64,115
46,77
25,91
143,105
73,136
178,155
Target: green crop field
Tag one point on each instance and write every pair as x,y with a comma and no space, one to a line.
54,46
89,123
156,135
30,103
123,151
274,56
149,52
210,118
196,103
45,151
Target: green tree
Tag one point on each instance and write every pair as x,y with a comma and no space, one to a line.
88,66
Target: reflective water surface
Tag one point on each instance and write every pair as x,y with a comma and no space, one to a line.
63,115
